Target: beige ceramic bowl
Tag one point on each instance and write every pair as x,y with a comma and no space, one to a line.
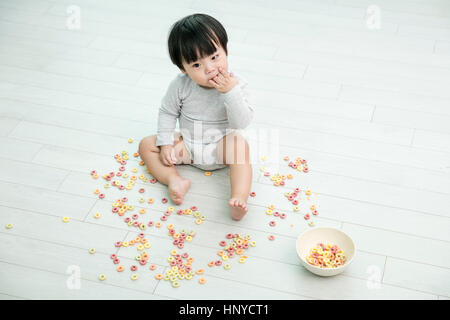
309,239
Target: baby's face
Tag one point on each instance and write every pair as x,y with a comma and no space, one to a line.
202,70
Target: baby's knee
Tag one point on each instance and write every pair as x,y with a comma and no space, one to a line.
148,144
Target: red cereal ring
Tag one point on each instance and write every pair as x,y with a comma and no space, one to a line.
150,223
164,200
113,256
141,190
271,237
119,174
143,262
272,223
181,245
282,183
185,255
123,162
305,170
124,199
194,208
133,268
101,195
163,218
121,187
283,215
218,263
253,194
152,267
93,172
108,178
122,168
115,210
297,190
229,236
171,232
295,202
276,214
134,216
306,216
118,244
167,213
180,212
127,219
315,212
266,174
111,174
222,243
291,198
116,261
153,181
136,224
141,235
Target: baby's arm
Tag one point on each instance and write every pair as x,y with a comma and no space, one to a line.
169,112
239,109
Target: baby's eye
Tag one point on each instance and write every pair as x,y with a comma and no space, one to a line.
215,57
196,65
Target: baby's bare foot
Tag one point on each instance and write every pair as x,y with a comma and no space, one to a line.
238,208
178,188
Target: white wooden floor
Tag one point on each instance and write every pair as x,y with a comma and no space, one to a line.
367,107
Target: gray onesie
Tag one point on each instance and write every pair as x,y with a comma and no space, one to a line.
205,116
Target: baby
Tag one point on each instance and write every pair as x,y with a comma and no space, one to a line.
210,104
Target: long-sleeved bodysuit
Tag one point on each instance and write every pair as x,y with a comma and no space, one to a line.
205,116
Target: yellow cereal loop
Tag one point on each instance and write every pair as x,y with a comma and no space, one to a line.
65,219
102,277
9,226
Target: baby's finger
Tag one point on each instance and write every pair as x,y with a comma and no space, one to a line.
173,157
212,82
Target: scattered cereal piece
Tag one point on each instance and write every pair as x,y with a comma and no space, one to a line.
65,219
9,226
102,277
91,250
130,140
208,173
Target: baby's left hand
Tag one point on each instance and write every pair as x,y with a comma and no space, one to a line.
224,82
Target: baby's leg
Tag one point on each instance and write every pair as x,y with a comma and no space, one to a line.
149,153
235,152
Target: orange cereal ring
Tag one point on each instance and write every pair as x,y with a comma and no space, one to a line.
159,276
200,271
202,280
211,264
136,154
120,268
144,240
239,251
141,163
142,211
133,178
158,225
132,242
137,240
152,267
220,253
150,200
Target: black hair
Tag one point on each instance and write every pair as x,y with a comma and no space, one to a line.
194,37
